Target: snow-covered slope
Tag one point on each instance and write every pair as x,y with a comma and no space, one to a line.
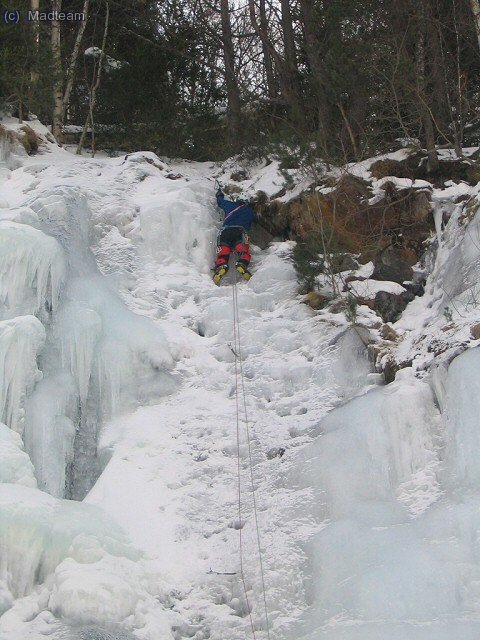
117,384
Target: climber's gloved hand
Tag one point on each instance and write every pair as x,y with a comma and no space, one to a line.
219,194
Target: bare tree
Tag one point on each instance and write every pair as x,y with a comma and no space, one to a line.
267,57
286,63
97,74
425,114
233,93
73,60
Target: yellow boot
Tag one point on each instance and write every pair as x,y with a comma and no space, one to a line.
219,273
243,271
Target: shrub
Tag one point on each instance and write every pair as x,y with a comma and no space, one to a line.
308,261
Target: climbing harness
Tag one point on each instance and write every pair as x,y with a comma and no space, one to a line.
237,352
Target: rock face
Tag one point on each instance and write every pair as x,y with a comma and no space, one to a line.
394,264
415,166
348,222
391,305
260,236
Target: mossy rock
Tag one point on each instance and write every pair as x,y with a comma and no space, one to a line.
316,300
29,139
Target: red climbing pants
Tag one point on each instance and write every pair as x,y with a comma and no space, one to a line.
233,239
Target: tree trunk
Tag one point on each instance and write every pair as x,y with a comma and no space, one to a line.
350,132
94,88
73,60
475,4
35,25
57,119
288,36
291,75
437,72
267,57
288,86
233,94
424,111
319,79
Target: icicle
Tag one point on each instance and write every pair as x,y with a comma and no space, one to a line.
33,269
438,219
20,341
78,329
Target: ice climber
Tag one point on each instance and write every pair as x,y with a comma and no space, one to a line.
233,236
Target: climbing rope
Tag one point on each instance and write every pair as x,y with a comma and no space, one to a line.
239,475
237,351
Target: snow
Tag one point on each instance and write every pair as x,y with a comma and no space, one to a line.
267,176
110,63
118,371
368,288
16,465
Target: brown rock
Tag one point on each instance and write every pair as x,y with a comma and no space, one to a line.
384,168
29,139
388,333
420,206
389,369
316,300
475,331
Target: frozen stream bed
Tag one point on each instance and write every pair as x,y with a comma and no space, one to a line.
118,452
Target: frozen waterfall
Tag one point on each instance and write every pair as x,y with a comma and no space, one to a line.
118,450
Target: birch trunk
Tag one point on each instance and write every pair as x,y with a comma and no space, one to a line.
57,119
35,6
475,4
73,60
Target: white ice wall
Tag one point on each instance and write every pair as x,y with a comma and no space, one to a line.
398,496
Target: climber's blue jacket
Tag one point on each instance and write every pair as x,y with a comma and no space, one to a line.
237,214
